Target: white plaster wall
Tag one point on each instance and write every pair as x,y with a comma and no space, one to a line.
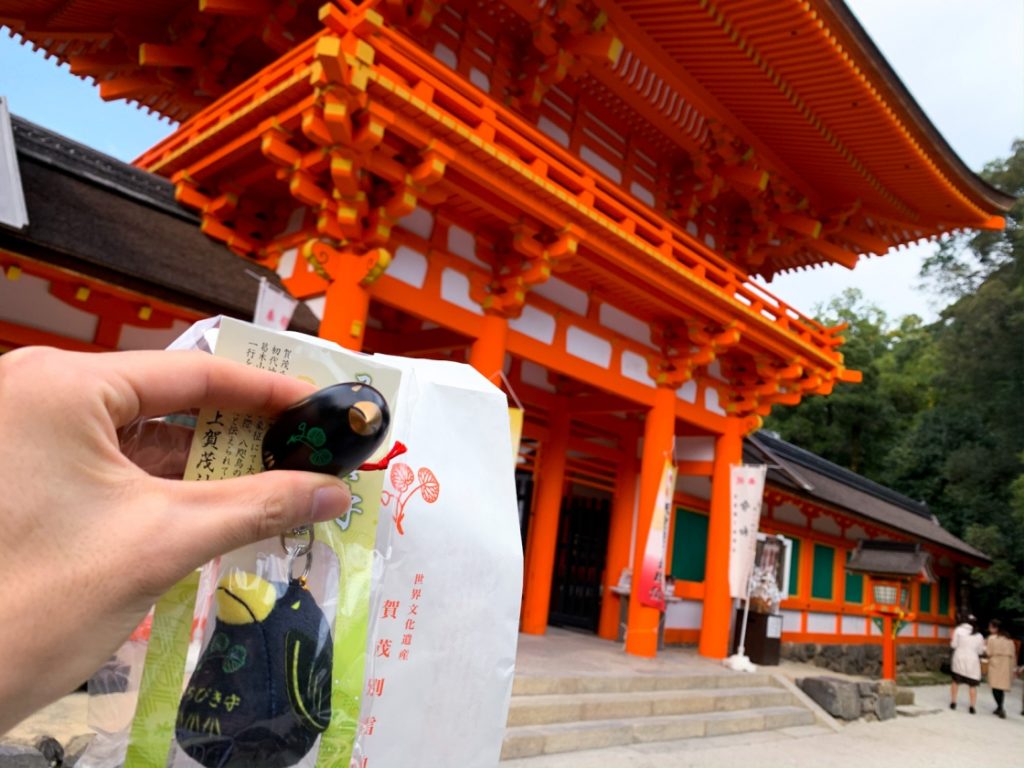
711,401
695,448
787,513
537,375
587,346
563,294
419,222
688,392
462,243
821,623
629,326
791,621
408,266
853,625
455,289
699,487
316,306
553,132
686,614
535,323
135,337
634,366
598,163
27,301
827,525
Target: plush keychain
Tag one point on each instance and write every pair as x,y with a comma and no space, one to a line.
261,692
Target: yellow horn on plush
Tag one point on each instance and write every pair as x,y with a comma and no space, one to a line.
243,597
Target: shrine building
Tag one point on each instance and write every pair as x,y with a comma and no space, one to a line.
586,196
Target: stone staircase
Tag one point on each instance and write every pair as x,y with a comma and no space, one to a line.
564,714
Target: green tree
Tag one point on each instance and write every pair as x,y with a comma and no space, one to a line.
857,424
965,261
966,455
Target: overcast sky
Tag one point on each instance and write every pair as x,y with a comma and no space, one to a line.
963,60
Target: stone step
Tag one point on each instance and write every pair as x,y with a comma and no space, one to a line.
561,708
546,685
534,740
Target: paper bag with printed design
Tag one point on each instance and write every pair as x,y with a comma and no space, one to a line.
441,651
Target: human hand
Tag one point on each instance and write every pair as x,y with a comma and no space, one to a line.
88,540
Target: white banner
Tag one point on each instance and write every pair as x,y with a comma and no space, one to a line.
651,584
274,307
746,489
13,212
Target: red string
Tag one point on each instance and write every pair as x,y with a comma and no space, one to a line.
396,450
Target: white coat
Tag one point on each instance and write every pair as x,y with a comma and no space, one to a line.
967,646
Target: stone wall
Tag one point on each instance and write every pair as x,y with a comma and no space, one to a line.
922,658
849,700
866,658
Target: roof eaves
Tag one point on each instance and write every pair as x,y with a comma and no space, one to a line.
884,73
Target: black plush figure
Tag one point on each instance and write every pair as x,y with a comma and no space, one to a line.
261,693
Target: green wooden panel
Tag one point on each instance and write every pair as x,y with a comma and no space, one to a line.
794,568
924,600
822,572
943,596
690,546
854,585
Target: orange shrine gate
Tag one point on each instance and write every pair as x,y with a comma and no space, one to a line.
579,194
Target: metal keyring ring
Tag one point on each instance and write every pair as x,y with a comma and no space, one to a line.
305,530
295,551
305,570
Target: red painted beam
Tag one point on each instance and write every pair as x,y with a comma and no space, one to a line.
13,336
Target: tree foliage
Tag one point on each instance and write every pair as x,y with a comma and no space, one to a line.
940,413
857,423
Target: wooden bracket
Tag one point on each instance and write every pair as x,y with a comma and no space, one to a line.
522,259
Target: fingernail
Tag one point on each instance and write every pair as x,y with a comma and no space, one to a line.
329,502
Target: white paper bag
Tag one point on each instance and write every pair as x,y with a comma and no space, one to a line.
445,607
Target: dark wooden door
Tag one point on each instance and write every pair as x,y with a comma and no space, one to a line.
524,496
579,562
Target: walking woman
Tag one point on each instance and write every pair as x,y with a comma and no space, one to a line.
968,645
1001,651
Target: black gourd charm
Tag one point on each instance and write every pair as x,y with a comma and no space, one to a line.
261,693
332,431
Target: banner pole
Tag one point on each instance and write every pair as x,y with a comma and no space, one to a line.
742,650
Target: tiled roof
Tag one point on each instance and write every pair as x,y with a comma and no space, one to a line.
105,218
810,476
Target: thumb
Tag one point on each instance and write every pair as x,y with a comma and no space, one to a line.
216,516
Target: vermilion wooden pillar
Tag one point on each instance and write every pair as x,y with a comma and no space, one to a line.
714,629
659,431
543,534
487,354
888,648
619,536
345,310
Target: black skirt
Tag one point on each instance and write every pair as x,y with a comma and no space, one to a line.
957,678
